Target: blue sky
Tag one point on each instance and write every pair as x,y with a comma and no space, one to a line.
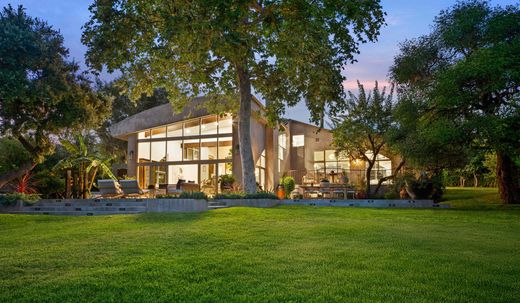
405,19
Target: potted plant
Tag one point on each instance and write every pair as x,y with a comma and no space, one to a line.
280,191
226,182
324,182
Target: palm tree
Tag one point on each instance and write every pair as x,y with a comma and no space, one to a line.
86,161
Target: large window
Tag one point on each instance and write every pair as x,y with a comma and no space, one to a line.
208,149
205,143
191,149
224,148
331,166
282,146
260,171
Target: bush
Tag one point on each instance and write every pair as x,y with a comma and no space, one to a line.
261,195
12,198
391,195
228,196
258,195
186,195
288,184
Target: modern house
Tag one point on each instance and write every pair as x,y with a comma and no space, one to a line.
198,147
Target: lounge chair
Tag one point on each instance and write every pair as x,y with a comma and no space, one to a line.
131,189
109,189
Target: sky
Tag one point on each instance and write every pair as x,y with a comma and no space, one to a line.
406,19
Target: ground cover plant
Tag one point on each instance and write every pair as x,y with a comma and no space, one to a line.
297,254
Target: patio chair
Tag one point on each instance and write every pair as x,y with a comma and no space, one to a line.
131,189
109,189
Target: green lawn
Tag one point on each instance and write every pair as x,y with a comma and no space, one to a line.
284,254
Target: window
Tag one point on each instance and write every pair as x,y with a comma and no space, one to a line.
298,140
158,151
191,149
224,148
282,146
158,132
318,156
188,173
208,149
175,130
191,128
260,171
143,152
174,150
206,142
144,135
209,126
225,124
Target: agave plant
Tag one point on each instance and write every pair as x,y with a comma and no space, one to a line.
87,162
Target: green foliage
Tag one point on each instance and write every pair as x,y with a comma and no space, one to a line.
11,198
41,93
364,127
288,184
186,195
83,156
391,195
227,179
464,77
257,195
12,155
293,51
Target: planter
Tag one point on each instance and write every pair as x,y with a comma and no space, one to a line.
280,192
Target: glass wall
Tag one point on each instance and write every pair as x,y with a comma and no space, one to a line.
196,151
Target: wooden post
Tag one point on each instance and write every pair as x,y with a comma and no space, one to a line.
68,184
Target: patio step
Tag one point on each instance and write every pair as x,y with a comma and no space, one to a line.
217,205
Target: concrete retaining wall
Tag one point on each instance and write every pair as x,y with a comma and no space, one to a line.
250,202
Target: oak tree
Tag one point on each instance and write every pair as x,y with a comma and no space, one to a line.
286,51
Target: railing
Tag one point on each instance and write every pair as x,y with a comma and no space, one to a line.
342,176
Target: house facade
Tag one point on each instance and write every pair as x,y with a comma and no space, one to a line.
198,147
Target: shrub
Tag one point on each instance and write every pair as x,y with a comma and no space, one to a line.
12,198
261,195
228,196
288,184
391,195
258,195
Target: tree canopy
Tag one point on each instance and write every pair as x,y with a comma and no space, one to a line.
361,131
286,51
41,93
466,75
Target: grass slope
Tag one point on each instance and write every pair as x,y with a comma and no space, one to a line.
285,254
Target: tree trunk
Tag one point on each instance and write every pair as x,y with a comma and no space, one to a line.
392,176
244,132
475,180
367,177
507,177
11,175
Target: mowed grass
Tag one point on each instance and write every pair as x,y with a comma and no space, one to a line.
283,254
475,198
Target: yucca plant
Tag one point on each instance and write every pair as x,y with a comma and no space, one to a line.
25,184
87,162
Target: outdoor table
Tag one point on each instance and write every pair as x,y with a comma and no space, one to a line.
331,189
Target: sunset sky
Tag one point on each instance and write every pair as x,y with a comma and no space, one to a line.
405,19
